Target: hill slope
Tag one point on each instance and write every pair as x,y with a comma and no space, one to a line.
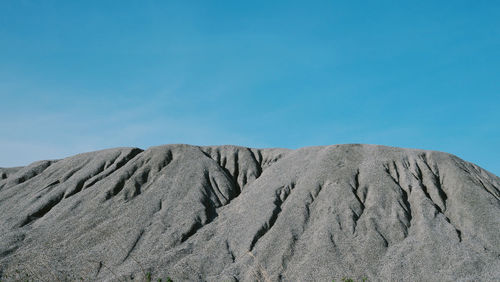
230,213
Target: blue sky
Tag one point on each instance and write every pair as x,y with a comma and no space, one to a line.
79,76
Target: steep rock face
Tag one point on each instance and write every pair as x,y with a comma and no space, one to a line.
228,213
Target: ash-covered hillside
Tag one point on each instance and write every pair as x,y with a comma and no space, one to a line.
228,213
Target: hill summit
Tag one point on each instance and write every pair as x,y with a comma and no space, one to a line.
229,213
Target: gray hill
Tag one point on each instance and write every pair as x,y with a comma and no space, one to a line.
228,213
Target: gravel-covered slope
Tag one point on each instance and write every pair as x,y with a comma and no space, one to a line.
228,213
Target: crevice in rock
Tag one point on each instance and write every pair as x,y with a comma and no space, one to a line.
339,222
116,189
29,172
238,173
296,237
118,186
99,267
495,194
78,187
332,240
233,177
192,230
233,180
418,172
358,194
72,172
312,195
424,159
222,200
43,209
439,186
460,164
441,193
139,236
230,252
257,156
284,192
459,234
116,165
210,213
257,161
458,231
99,173
50,185
357,191
269,162
393,171
279,200
287,257
8,252
265,227
407,206
386,243
140,180
426,193
147,177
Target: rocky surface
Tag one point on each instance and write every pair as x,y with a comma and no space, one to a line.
230,213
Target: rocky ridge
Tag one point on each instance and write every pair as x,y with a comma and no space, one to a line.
228,213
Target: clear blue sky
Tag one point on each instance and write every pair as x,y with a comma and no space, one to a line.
79,76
